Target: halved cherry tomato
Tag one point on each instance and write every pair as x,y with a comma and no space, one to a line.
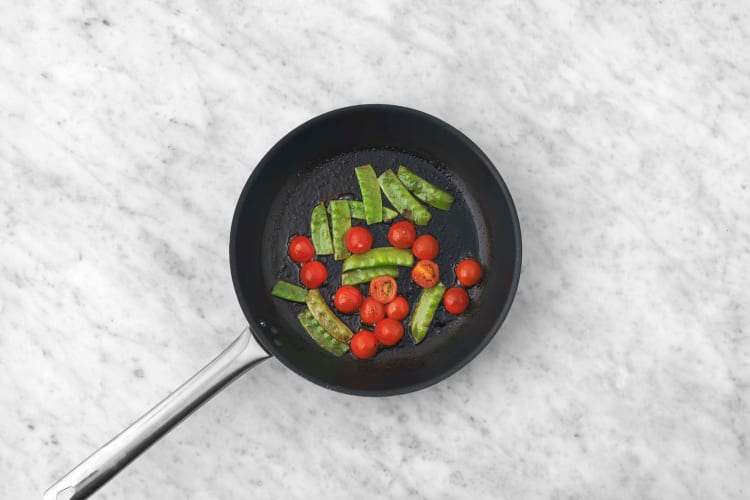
455,300
313,274
364,344
469,272
397,309
358,239
301,249
425,247
402,234
383,289
371,311
426,274
347,299
389,331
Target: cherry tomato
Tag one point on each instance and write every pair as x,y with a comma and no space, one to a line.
313,274
358,239
364,344
301,249
402,234
389,331
383,289
371,311
455,300
347,299
425,247
426,274
469,272
397,309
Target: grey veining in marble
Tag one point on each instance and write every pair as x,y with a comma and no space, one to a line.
622,129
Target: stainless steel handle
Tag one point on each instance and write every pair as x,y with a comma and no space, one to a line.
91,474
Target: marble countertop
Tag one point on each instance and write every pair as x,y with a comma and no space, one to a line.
127,130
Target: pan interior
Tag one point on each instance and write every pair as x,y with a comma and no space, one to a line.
316,163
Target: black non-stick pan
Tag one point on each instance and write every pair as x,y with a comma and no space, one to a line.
315,163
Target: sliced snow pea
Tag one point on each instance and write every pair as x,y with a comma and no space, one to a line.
357,209
382,256
289,291
341,222
321,235
326,317
424,190
371,198
402,200
319,335
424,311
366,275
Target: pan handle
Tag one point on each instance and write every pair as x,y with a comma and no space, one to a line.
91,474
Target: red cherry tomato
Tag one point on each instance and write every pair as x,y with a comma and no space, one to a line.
402,234
371,311
364,344
389,331
358,239
425,247
426,274
301,249
397,309
347,299
455,300
313,274
469,272
383,289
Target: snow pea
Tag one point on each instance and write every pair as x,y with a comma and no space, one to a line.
371,198
341,222
402,200
357,210
326,317
424,190
366,275
319,335
382,256
424,311
321,235
289,291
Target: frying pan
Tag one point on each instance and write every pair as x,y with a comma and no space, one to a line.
314,163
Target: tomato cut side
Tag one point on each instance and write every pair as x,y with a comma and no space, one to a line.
426,274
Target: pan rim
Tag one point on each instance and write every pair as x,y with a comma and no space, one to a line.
470,145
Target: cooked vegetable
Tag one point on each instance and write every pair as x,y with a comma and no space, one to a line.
383,289
469,272
402,234
381,256
301,249
364,345
455,300
425,247
313,274
368,185
327,318
402,200
389,331
357,209
366,275
397,309
426,274
319,335
347,299
424,190
358,239
371,311
424,311
321,235
341,222
289,291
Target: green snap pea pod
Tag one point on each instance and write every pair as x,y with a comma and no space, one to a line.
289,291
382,256
357,209
424,190
319,335
367,275
371,198
402,200
341,222
321,235
424,311
327,318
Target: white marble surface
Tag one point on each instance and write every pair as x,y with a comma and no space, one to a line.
623,371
